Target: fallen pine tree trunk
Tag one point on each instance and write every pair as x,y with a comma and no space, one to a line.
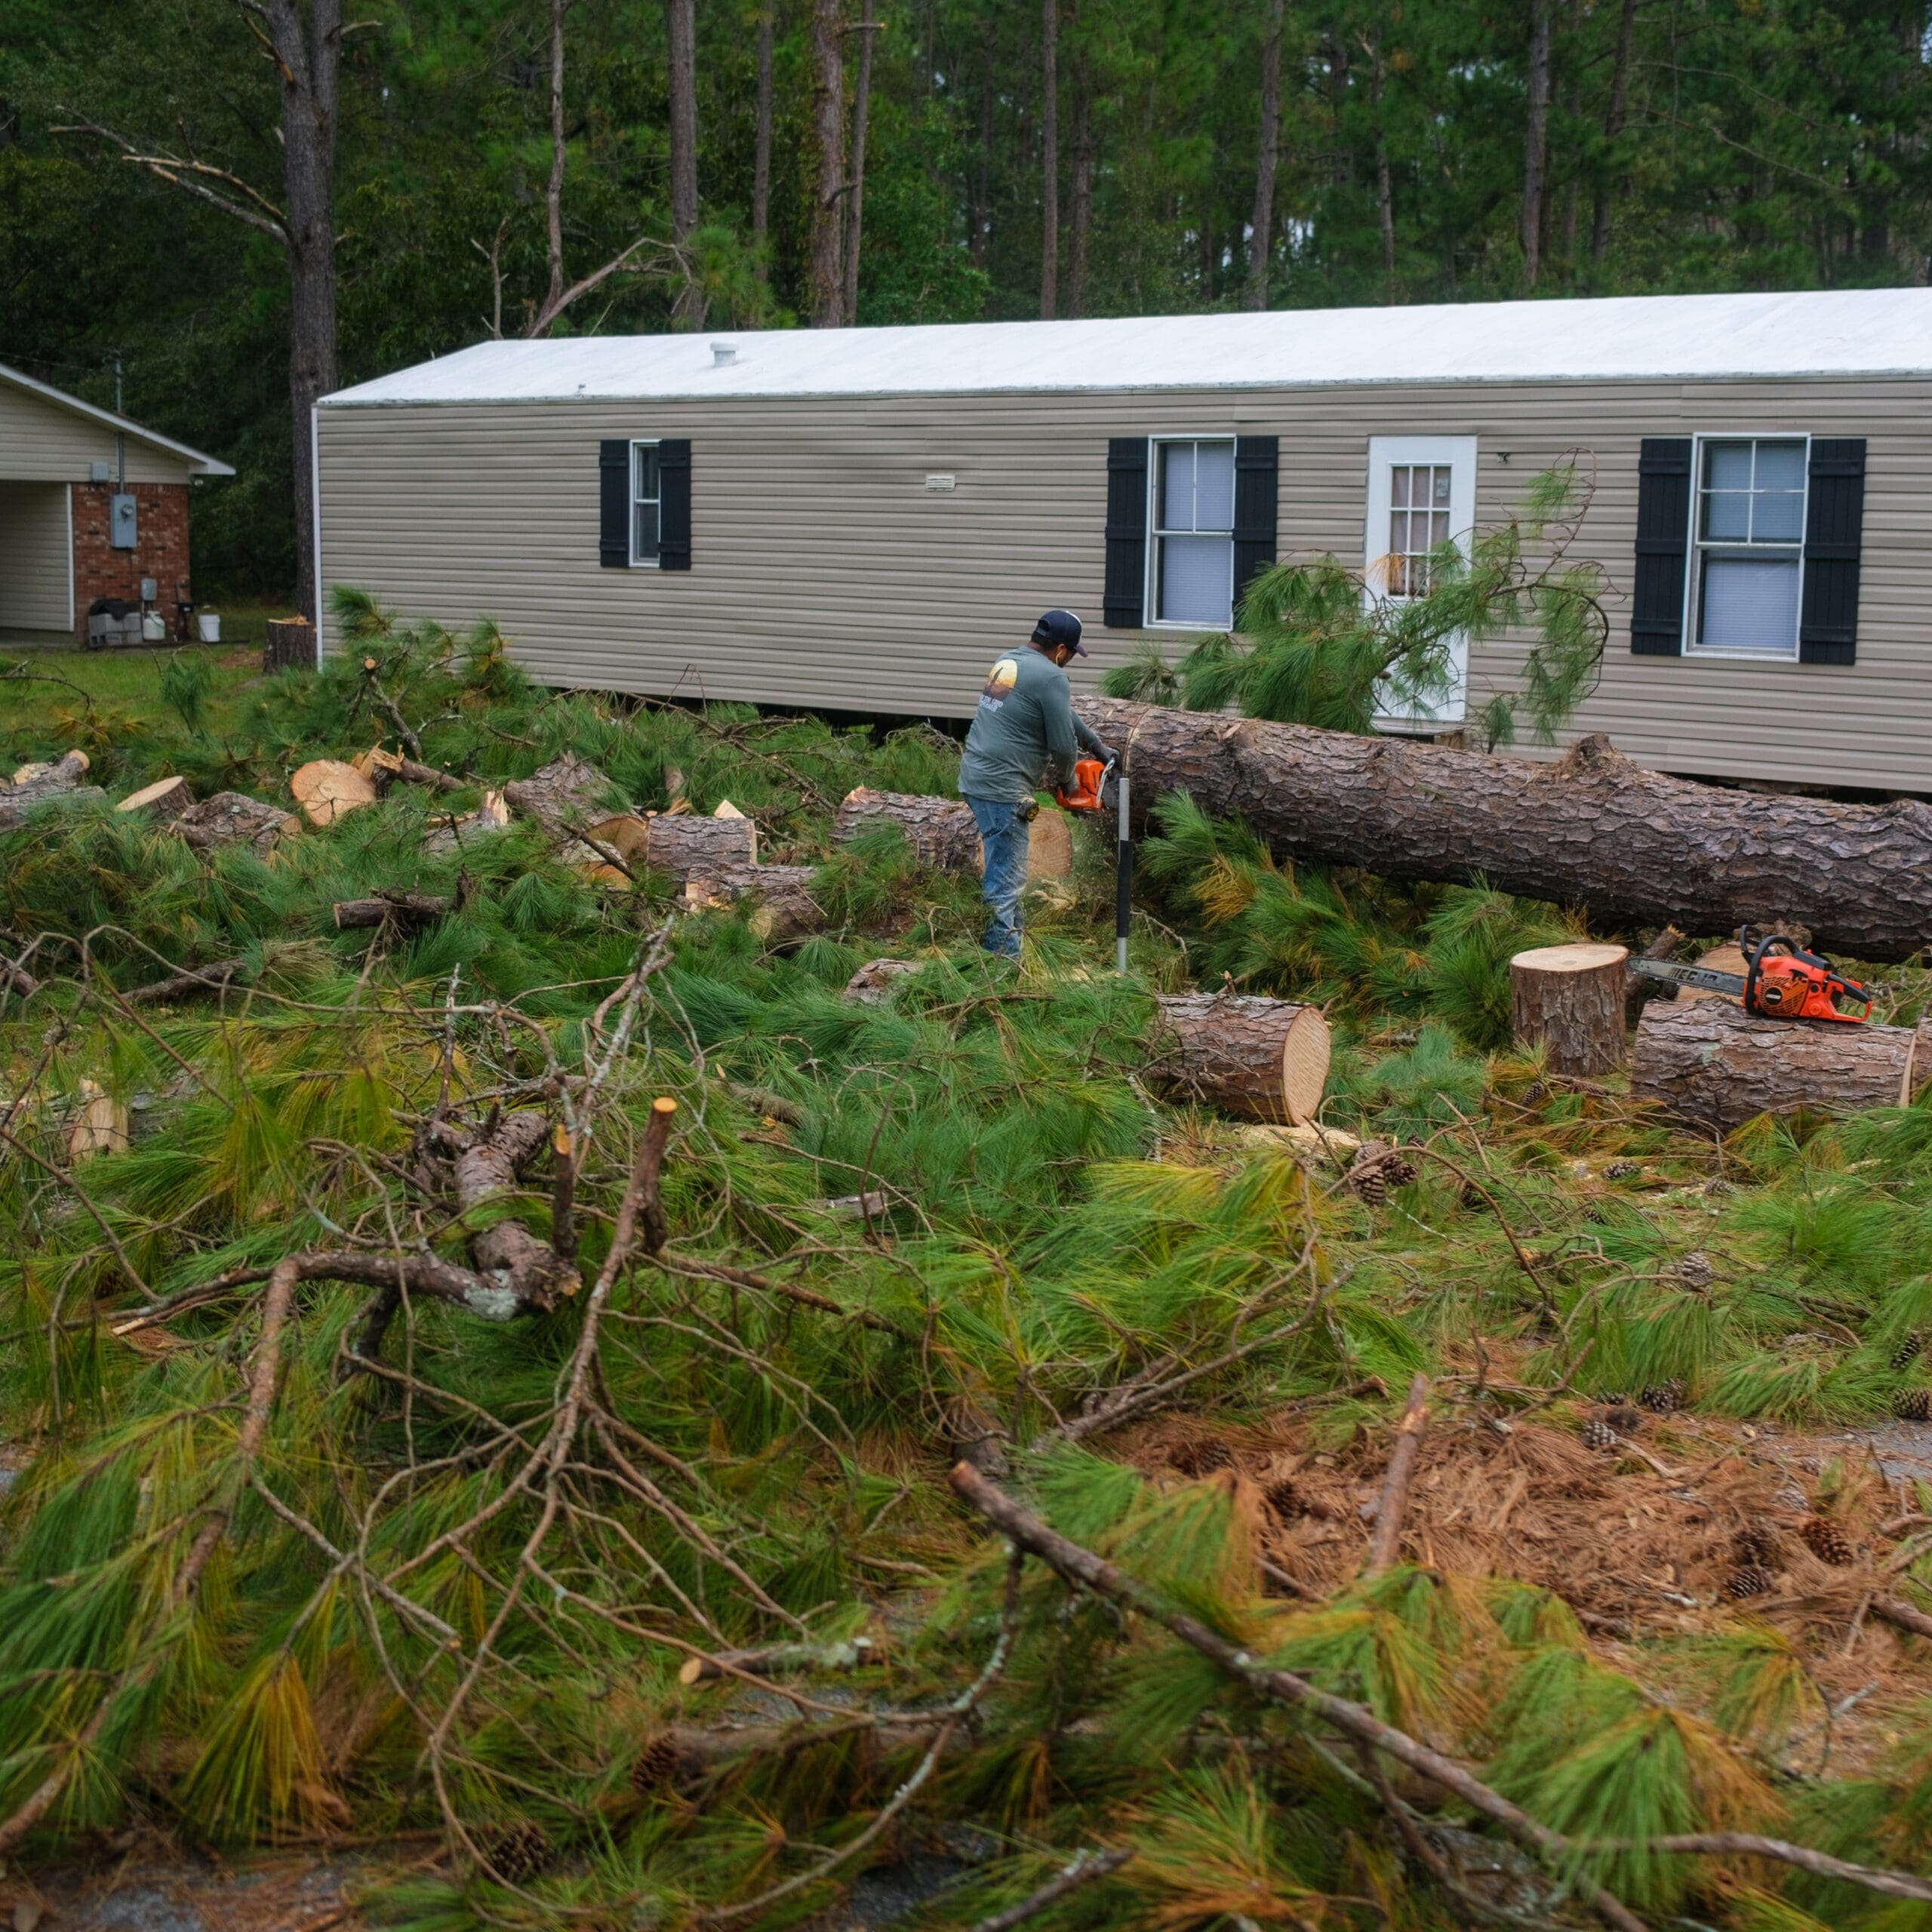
942,835
1267,1058
35,785
1594,829
783,908
1714,1065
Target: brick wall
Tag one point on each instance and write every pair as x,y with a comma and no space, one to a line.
160,551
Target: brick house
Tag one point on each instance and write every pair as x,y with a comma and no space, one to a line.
90,504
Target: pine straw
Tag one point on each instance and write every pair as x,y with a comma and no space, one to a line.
1639,1556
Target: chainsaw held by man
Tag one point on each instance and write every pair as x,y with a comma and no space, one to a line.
1781,981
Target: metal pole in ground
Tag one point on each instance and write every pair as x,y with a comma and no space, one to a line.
1123,875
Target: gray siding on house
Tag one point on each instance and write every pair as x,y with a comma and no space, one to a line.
36,558
41,441
824,573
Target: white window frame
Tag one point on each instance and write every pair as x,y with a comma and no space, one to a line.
1150,589
1458,455
633,499
1695,547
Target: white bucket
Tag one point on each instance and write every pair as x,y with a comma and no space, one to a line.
209,624
154,628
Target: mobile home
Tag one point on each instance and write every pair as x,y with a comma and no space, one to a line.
862,519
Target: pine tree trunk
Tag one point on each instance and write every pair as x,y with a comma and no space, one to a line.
1264,1059
941,833
308,62
682,844
1635,847
1081,222
1385,193
783,910
1050,160
1261,243
826,276
761,151
982,170
1535,142
681,32
1713,1066
1569,1001
1613,124
855,207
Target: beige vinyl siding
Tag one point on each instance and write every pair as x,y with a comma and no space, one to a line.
36,559
824,573
40,441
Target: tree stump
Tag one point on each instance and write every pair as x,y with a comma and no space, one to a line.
1714,1065
160,803
683,844
326,789
290,645
1569,1001
1265,1059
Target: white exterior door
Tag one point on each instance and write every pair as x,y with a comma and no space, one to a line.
1422,492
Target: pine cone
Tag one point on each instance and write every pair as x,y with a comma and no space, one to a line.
1748,1582
1661,1397
1201,1458
655,1766
1695,1270
1622,1170
1826,1541
1598,1434
1535,1094
1907,1351
1281,1496
1625,1420
1758,1547
1913,1405
518,1851
1612,1398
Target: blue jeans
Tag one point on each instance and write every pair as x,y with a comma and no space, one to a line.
1003,839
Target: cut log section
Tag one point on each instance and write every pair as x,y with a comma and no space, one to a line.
940,832
1719,959
686,846
1264,1059
942,835
61,774
35,785
1568,1000
783,908
99,1125
160,803
1594,830
327,790
289,644
872,984
233,818
450,834
386,909
1713,1066
568,793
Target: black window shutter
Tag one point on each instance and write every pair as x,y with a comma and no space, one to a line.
1257,464
613,501
1833,527
1663,543
1124,600
674,507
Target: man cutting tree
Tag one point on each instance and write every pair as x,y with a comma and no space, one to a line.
1024,732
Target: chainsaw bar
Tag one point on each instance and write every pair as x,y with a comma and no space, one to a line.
1706,976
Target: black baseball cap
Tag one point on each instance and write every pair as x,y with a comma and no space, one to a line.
1059,627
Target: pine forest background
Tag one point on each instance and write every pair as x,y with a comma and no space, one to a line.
1012,159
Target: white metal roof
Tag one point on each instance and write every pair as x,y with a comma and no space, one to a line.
201,463
1864,332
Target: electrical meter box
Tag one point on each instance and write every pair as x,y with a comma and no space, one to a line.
122,527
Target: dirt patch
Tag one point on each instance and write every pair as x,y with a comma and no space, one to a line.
134,1892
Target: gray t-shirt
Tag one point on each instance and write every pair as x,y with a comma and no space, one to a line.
1024,729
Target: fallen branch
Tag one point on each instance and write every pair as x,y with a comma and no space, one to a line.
1078,1565
1748,1845
1387,1540
178,986
1087,1865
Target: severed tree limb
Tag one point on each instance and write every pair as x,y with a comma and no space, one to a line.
1896,1612
653,1230
1749,1844
1086,1866
1387,1540
196,979
1078,1565
746,1278
194,176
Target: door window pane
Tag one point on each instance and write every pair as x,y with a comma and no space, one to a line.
1419,497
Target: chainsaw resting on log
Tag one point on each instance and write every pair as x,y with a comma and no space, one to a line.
1594,829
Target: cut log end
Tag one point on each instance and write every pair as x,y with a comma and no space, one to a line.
1264,1059
326,789
1568,1000
160,803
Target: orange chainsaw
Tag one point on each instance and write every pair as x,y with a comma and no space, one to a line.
1782,982
1090,778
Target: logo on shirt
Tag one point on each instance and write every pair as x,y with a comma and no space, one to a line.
1000,680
